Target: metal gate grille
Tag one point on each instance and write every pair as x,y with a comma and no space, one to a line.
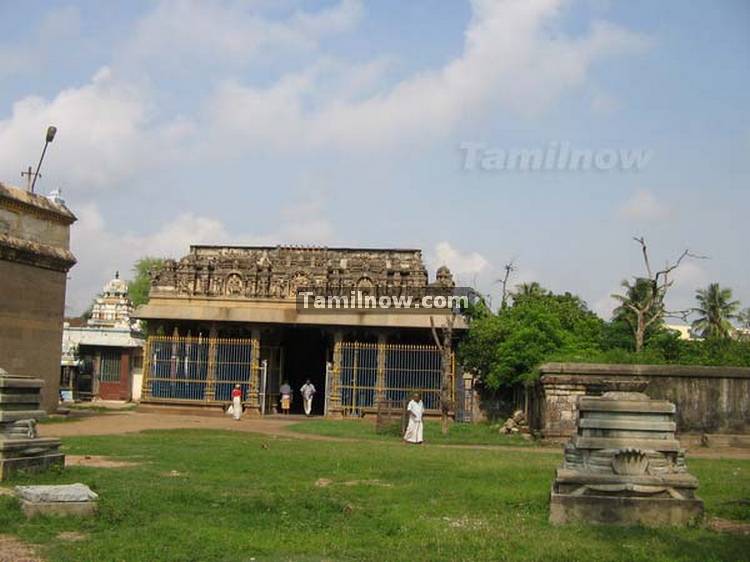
196,369
371,373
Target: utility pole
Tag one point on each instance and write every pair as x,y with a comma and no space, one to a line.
29,174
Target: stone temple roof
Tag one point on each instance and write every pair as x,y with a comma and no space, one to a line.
36,202
116,287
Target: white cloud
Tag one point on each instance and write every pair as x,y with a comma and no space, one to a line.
106,135
643,206
100,252
513,57
466,265
232,32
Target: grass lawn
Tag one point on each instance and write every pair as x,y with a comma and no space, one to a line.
459,433
214,495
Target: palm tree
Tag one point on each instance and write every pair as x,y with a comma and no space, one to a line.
715,309
532,289
641,308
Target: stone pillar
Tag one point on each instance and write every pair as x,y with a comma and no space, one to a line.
20,448
210,393
560,406
252,401
380,374
334,393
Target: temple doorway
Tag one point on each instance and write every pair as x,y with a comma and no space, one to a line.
305,352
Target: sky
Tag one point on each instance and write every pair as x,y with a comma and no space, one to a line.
385,123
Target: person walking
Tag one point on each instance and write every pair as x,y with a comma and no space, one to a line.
237,402
308,391
286,397
414,429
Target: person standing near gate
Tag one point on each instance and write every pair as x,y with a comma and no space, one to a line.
286,397
237,402
308,391
414,429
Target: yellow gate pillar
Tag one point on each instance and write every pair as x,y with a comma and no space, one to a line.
253,397
334,393
210,393
380,373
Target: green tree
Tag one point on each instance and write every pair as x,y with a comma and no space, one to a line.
507,347
532,289
715,311
139,286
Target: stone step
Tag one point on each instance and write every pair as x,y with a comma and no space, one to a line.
22,415
20,382
617,422
669,445
595,404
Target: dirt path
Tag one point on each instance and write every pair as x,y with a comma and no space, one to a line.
13,549
133,422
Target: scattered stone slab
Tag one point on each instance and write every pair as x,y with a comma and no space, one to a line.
69,499
515,424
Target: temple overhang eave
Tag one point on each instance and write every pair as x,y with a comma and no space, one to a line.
267,311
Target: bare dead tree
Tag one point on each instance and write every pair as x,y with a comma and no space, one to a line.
644,298
444,344
509,269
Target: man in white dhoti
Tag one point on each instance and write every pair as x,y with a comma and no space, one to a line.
415,410
308,391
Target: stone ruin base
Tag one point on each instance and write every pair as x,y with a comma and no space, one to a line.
20,448
626,511
29,455
650,501
66,500
624,465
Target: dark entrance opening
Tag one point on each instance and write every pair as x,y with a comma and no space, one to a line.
305,351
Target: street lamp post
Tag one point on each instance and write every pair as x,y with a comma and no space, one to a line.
51,131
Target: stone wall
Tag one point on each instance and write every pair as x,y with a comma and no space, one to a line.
34,260
708,399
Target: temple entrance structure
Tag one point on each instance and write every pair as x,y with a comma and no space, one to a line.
234,315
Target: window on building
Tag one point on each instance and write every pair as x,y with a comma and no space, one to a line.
110,366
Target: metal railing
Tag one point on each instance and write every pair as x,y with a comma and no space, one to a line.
196,368
371,372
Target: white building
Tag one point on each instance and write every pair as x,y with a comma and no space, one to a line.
104,358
